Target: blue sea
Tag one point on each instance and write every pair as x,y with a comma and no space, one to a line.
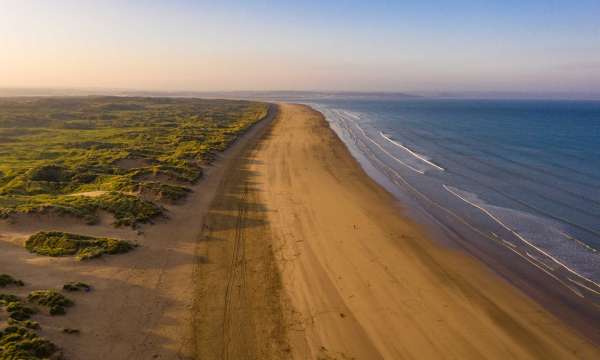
522,174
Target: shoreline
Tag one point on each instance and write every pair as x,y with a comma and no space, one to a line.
358,271
546,289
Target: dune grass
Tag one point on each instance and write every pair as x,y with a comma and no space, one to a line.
56,243
6,299
19,340
17,310
29,324
20,343
53,300
7,280
138,151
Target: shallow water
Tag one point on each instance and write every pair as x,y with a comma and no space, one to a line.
524,174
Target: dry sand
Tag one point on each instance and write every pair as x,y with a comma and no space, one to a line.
286,250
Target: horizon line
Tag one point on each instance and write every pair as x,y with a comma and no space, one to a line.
8,91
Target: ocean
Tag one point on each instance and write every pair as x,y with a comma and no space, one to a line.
522,174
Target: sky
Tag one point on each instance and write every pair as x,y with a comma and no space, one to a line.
410,46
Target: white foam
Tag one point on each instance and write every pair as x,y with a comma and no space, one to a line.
353,115
387,152
543,235
418,156
343,115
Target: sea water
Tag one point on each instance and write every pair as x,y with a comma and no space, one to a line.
524,174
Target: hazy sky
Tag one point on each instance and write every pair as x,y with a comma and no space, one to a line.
522,45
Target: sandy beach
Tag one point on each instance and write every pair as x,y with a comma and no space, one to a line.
365,282
287,249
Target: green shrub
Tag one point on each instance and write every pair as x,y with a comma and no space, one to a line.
55,243
19,311
16,309
128,210
5,299
77,286
55,301
29,324
6,280
19,343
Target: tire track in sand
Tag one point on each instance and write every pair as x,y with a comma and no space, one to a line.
236,280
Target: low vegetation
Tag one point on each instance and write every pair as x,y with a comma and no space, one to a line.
128,210
85,156
29,324
16,309
19,311
6,280
53,300
19,340
20,343
132,153
77,286
56,243
5,299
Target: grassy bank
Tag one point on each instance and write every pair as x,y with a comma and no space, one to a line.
125,156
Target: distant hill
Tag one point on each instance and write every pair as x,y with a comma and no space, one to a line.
311,95
261,95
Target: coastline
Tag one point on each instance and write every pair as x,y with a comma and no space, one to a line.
366,281
289,249
551,290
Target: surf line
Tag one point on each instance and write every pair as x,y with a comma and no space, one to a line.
387,152
574,290
418,156
583,286
460,219
352,115
485,211
457,217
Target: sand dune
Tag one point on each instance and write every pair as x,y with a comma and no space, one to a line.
142,301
